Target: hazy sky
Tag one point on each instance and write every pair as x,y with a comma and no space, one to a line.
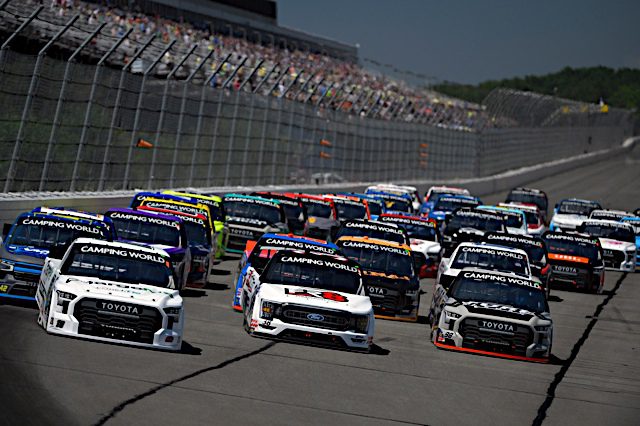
469,41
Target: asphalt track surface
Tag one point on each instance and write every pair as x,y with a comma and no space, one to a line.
224,376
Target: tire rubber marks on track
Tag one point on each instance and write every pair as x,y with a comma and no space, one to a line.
118,408
551,391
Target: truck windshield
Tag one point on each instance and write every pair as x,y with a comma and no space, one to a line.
145,232
311,275
618,233
45,236
490,259
119,268
267,213
380,261
503,293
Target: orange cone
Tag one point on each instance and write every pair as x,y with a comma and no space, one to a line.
144,144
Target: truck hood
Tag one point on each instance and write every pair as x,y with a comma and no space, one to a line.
425,246
28,252
610,244
141,293
319,298
572,220
499,310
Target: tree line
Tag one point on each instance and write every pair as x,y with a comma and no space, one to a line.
615,87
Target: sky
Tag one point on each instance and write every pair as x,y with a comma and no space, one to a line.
469,41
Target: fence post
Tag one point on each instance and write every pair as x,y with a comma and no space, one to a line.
56,117
249,123
275,142
136,120
30,94
234,119
183,104
196,139
18,30
116,108
87,116
217,122
264,122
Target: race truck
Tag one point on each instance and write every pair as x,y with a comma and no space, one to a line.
515,218
469,224
493,313
618,241
608,214
373,229
446,204
375,204
250,217
293,209
391,188
349,208
423,238
27,242
536,224
322,217
214,203
530,196
634,221
393,202
111,292
389,274
311,298
486,256
162,231
570,213
198,230
534,247
257,254
189,205
577,261
432,194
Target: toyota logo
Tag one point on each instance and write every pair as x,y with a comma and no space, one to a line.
315,317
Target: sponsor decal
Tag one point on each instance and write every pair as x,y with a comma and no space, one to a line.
486,276
562,268
240,231
196,220
458,200
278,242
166,205
493,252
497,307
473,213
63,225
327,295
248,220
142,218
568,258
570,237
418,222
315,317
377,290
121,252
494,325
373,227
319,262
376,247
606,224
512,239
232,199
119,307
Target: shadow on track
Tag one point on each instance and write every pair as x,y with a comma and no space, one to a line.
551,391
118,408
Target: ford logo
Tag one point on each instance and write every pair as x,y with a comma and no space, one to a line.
315,317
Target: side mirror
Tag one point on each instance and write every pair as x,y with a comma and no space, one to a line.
5,230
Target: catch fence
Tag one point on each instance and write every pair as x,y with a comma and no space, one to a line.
70,125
